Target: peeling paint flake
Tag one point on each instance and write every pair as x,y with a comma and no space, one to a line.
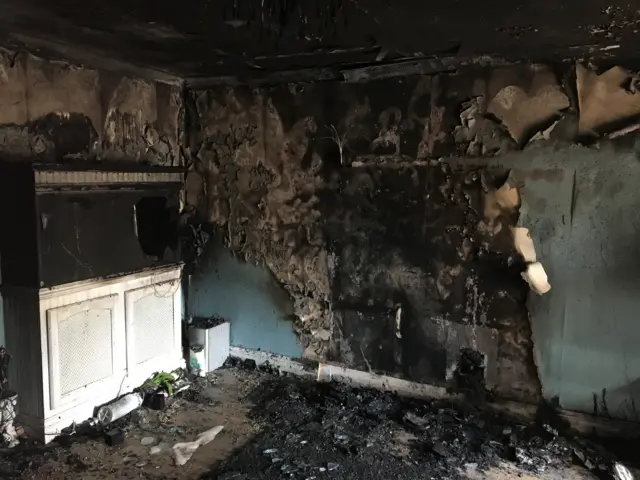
537,278
501,201
524,243
482,135
526,112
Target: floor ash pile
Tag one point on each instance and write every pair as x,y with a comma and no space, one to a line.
314,430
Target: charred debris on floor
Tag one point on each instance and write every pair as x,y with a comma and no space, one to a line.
318,430
314,429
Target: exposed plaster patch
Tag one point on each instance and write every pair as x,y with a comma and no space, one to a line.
482,135
526,112
537,278
546,133
499,202
534,274
607,100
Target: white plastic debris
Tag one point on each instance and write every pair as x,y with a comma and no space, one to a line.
161,447
118,409
185,450
622,473
537,278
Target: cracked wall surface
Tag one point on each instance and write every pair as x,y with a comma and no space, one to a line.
55,112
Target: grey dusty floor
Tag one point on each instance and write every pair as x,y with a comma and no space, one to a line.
227,398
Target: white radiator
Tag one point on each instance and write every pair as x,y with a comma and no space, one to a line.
104,338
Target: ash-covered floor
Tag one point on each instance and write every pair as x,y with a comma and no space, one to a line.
278,427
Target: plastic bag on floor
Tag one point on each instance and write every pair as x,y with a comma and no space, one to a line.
185,450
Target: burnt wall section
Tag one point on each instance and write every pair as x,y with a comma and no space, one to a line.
337,189
418,281
53,112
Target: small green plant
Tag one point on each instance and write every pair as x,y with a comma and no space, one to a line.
162,380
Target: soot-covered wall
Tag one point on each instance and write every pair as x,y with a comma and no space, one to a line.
56,112
386,251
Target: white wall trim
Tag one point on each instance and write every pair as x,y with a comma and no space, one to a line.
281,362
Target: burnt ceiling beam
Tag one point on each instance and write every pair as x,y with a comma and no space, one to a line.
363,72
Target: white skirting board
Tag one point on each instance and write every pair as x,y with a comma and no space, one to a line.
324,372
282,363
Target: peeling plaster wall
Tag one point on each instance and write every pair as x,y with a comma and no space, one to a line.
368,203
332,188
581,206
53,112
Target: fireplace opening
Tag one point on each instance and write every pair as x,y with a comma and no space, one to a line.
155,226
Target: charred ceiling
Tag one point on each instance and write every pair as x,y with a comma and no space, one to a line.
252,38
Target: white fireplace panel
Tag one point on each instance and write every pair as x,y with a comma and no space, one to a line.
85,339
152,321
81,346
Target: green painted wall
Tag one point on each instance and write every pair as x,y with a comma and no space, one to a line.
583,209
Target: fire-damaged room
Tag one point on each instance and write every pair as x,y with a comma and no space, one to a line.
300,239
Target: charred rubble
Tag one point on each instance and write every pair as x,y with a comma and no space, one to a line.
316,430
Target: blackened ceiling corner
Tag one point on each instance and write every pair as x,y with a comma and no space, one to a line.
208,38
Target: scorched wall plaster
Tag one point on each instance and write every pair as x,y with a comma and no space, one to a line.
367,202
384,252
